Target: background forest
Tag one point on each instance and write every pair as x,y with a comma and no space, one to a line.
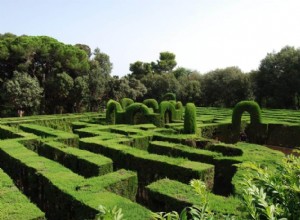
40,75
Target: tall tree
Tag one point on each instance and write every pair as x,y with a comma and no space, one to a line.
22,93
277,81
225,87
166,62
59,88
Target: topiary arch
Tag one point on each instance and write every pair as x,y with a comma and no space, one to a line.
169,96
125,102
134,109
112,109
167,111
151,103
249,106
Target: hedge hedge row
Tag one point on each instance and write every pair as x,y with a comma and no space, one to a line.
13,204
150,167
81,162
64,194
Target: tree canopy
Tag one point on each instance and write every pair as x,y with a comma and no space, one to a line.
39,74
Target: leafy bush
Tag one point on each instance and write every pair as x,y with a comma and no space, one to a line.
194,212
109,214
190,119
272,195
248,106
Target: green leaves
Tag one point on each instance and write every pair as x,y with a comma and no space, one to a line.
272,194
109,214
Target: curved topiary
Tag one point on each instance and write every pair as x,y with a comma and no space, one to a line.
190,126
112,109
179,105
167,111
169,96
151,103
179,108
126,102
136,108
249,106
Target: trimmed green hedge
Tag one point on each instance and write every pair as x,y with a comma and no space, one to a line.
45,132
190,125
125,102
151,103
64,194
112,110
169,96
169,195
13,204
136,113
179,150
81,162
150,167
249,106
167,112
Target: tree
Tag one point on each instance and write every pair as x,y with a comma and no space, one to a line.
103,61
225,87
85,48
140,69
158,85
277,81
80,93
59,88
125,88
181,71
166,63
23,93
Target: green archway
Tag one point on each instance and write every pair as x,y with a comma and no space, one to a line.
246,106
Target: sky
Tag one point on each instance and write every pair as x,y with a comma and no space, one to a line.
203,34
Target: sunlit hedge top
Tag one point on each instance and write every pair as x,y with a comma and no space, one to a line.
151,103
126,102
249,106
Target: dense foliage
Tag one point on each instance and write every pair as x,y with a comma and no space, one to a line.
272,195
73,78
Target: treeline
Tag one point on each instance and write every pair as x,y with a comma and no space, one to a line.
40,75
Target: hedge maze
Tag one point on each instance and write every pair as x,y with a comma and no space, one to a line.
64,167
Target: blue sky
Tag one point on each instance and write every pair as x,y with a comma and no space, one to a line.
204,34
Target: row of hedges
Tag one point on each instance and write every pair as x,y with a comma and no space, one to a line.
63,194
13,204
150,167
81,162
147,112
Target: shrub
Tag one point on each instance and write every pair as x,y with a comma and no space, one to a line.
195,212
125,102
111,111
249,106
169,96
272,195
190,119
151,103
